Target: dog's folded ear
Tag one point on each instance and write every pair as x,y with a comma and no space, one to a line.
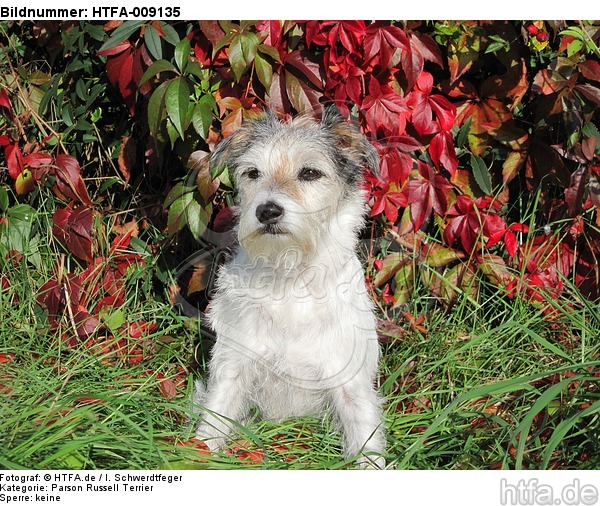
349,140
221,154
234,146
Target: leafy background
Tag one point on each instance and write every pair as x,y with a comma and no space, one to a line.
489,187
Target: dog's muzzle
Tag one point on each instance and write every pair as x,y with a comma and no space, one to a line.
269,213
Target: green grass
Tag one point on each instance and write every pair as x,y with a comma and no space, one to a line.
491,384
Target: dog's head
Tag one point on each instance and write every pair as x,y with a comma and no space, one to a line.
296,181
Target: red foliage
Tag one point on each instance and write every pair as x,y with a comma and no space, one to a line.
73,228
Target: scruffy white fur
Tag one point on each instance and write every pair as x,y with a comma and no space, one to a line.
294,323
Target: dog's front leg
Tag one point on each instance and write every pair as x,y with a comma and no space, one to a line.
357,408
226,400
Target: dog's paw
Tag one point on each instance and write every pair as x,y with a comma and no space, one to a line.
205,434
371,462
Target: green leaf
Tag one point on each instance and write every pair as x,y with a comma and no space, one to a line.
113,319
574,31
404,285
81,90
495,46
177,213
156,68
177,99
481,174
574,47
156,108
264,71
242,52
67,115
224,41
194,68
439,256
20,221
172,132
203,115
171,35
197,218
3,199
182,53
236,58
250,43
122,33
269,51
177,192
463,133
153,42
108,183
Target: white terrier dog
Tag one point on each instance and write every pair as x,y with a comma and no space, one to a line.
294,323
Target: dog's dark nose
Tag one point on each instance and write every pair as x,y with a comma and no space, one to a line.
269,213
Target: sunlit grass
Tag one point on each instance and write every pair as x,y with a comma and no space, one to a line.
489,383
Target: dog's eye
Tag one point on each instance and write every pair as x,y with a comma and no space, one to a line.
252,173
308,174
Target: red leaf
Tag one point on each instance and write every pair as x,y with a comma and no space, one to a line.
394,166
423,105
55,297
388,202
494,228
277,99
592,93
14,159
127,157
426,193
464,223
35,160
121,242
422,115
510,241
384,109
85,323
412,64
303,97
7,358
140,329
166,386
272,31
428,47
119,70
213,32
225,219
445,111
349,33
548,81
141,61
113,283
590,69
118,49
519,227
574,193
382,41
73,228
5,101
69,185
308,65
441,150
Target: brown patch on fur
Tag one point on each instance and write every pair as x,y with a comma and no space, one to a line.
284,178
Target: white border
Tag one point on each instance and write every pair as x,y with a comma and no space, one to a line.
320,9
